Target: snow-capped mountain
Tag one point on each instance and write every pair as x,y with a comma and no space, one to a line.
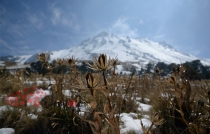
124,48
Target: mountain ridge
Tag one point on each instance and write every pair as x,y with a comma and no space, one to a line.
125,48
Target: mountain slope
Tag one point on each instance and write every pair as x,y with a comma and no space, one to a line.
126,49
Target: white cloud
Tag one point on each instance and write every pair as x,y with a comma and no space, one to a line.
64,18
122,28
56,18
35,21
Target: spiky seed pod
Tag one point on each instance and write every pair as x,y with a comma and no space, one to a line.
172,80
157,120
59,62
90,80
18,73
157,70
91,83
102,60
43,57
115,62
71,61
101,64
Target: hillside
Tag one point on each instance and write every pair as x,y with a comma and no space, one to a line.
124,48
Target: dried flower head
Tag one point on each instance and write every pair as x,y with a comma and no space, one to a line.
60,62
157,120
91,81
176,69
158,71
43,57
101,64
172,79
115,62
18,73
71,61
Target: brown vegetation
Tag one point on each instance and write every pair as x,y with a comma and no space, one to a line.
178,105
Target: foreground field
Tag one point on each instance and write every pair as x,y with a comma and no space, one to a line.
102,101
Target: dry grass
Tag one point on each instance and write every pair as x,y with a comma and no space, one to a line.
179,105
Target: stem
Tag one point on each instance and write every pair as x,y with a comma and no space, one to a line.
110,106
126,91
105,81
150,127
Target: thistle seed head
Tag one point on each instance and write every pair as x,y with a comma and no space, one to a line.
43,57
157,120
101,64
59,62
102,60
71,61
91,82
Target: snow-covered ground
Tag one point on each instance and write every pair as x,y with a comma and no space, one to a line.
22,59
19,66
7,131
2,63
132,123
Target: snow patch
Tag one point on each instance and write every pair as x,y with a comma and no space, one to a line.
132,124
7,131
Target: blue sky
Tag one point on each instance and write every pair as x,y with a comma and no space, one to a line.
33,26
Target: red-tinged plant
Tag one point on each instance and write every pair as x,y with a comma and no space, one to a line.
31,94
71,103
22,103
25,90
29,100
26,95
23,96
36,104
